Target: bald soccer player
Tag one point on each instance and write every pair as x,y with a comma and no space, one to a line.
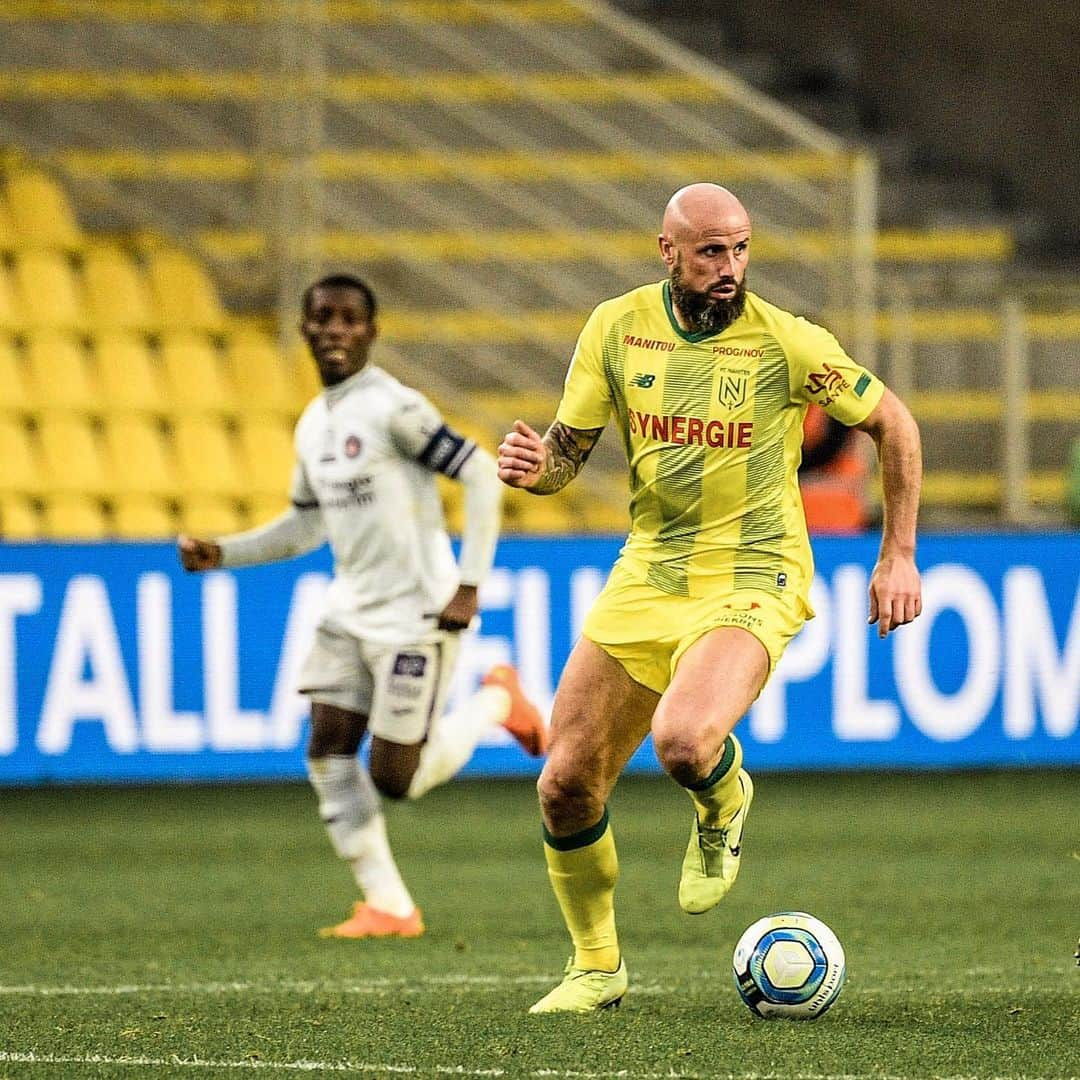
708,384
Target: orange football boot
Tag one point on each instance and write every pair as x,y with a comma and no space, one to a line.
524,722
366,921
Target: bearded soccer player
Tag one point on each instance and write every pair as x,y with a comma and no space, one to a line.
708,384
368,449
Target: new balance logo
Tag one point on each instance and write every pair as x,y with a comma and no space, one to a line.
643,380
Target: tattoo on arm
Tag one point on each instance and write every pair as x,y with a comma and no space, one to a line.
567,450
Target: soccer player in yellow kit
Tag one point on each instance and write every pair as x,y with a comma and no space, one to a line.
708,384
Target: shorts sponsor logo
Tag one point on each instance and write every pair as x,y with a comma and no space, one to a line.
412,665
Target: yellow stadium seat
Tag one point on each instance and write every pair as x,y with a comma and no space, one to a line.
139,457
267,455
207,460
73,459
117,295
259,375
21,471
71,516
264,508
129,376
9,316
142,517
184,296
195,379
19,519
541,514
41,215
304,373
48,294
16,390
208,516
7,227
61,377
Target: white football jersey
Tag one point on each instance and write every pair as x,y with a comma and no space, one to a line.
367,453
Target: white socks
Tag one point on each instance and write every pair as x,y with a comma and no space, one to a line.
454,736
350,809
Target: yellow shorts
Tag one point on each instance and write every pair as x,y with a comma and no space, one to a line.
648,631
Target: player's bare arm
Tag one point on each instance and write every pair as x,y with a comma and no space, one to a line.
544,465
462,609
198,554
895,589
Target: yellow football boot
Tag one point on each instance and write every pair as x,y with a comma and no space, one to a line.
584,991
712,858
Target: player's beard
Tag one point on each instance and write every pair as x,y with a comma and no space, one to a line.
704,313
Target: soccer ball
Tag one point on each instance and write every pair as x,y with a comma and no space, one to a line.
789,965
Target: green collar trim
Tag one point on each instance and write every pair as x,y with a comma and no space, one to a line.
696,335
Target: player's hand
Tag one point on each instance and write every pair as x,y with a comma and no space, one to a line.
521,456
198,554
461,610
895,593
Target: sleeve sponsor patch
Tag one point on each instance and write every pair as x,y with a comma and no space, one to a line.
862,383
446,452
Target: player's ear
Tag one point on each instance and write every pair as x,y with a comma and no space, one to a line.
667,250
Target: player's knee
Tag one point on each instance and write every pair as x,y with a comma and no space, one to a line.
686,761
567,803
391,783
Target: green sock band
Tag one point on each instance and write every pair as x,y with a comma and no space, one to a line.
579,839
721,770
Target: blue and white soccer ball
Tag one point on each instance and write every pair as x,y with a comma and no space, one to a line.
789,965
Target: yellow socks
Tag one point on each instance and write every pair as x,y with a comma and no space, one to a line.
717,797
583,869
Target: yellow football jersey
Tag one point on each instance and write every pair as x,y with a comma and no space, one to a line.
712,428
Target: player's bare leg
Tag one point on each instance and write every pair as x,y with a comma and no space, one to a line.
351,811
715,683
599,719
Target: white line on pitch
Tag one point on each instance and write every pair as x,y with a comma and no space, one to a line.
377,1068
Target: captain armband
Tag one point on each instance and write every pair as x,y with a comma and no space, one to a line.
447,452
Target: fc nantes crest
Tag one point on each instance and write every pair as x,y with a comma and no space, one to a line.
732,390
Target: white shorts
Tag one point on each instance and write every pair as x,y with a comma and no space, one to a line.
401,689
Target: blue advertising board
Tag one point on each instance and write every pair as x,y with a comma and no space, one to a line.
115,665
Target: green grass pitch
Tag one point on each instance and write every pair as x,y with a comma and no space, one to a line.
165,932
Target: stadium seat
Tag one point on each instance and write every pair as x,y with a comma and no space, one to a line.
74,516
19,519
48,294
41,215
61,377
264,508
304,373
184,296
195,379
142,517
8,239
267,455
139,457
73,459
17,394
117,296
208,516
9,318
207,460
22,469
130,378
259,375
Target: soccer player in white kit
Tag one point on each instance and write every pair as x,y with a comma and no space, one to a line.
368,449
